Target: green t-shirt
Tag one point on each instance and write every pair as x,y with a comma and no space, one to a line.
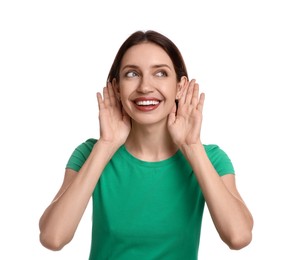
147,210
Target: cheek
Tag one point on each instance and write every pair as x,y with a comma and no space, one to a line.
127,91
169,91
122,92
124,98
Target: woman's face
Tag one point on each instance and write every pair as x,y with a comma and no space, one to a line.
148,86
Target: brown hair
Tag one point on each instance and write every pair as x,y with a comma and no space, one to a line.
154,37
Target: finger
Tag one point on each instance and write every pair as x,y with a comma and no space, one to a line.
182,99
106,97
195,94
171,116
190,93
201,102
99,101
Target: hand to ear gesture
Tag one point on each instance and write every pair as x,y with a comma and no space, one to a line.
114,122
184,122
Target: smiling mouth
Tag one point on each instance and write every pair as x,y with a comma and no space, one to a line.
147,102
146,105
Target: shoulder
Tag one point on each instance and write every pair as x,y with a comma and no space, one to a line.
219,158
213,150
209,147
85,148
80,154
89,142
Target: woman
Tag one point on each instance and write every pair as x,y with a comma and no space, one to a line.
149,175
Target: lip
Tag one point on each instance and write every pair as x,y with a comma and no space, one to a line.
146,107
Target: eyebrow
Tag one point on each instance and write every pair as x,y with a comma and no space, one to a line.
154,66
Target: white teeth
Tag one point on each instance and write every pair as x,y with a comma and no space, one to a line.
147,102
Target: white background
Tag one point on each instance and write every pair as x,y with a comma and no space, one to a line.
55,55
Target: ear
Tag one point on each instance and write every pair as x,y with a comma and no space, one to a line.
181,85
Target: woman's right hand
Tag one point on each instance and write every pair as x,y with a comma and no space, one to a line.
115,123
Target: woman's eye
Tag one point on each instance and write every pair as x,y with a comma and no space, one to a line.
131,74
161,74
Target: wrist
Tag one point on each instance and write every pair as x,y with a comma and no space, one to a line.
196,145
191,149
108,148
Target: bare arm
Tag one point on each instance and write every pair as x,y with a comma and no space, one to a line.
230,215
60,220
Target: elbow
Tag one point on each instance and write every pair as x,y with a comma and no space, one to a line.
239,241
54,243
239,236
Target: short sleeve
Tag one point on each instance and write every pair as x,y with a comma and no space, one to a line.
219,159
80,155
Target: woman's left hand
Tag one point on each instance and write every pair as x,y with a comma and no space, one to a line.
184,122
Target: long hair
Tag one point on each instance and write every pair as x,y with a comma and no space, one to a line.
139,37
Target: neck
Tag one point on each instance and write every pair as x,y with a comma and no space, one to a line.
150,143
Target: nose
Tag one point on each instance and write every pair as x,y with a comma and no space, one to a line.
145,85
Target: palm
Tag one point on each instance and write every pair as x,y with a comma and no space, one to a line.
185,124
114,124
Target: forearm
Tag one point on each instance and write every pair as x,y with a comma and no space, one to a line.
229,213
60,220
